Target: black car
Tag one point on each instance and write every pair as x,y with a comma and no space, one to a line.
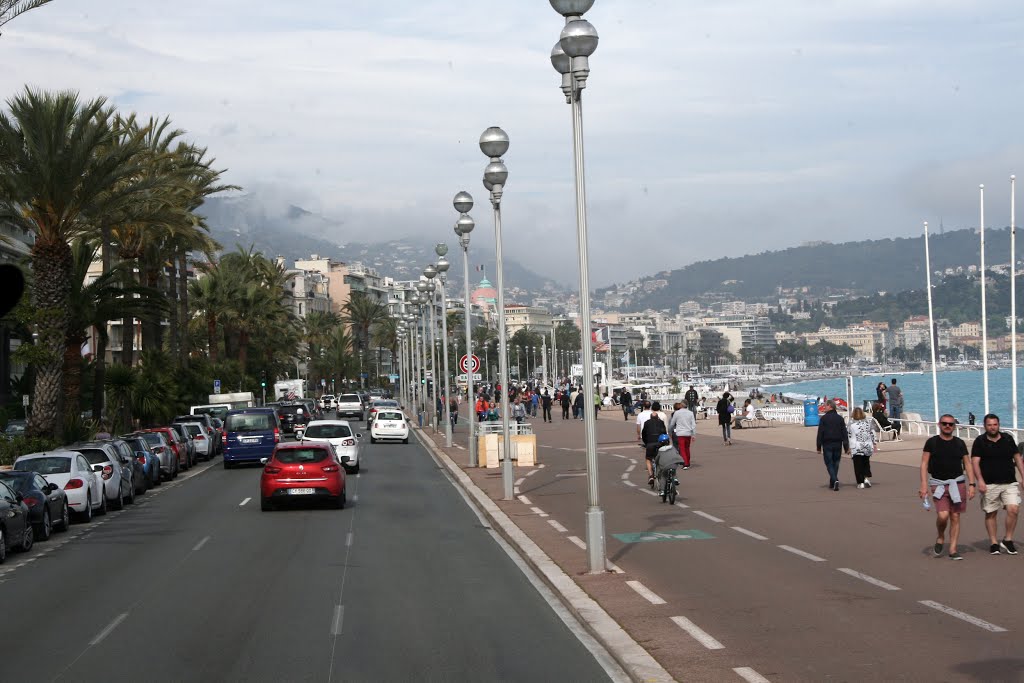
47,503
15,528
291,415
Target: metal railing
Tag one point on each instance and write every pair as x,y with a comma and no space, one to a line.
515,429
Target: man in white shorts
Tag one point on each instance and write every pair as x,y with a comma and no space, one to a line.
996,463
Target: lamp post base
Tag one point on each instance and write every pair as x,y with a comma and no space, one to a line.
595,540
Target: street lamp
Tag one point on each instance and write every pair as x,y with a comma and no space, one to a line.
463,203
430,272
494,143
442,270
421,299
570,57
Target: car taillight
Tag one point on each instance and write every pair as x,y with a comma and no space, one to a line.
73,484
158,450
330,468
224,438
270,469
200,437
277,435
107,471
348,442
31,500
141,458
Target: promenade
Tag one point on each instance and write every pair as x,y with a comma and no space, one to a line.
760,571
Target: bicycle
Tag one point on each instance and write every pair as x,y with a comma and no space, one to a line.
668,489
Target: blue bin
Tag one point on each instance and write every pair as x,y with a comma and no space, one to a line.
811,417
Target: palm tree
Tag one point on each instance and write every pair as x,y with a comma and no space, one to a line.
59,174
362,313
385,336
11,9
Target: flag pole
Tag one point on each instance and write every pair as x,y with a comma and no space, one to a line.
931,323
1013,297
984,309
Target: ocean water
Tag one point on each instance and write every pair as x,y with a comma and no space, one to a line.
960,392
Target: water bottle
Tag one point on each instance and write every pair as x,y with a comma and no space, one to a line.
927,505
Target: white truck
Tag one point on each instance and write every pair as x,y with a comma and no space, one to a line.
289,389
242,399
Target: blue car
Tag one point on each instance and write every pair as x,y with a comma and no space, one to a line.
250,435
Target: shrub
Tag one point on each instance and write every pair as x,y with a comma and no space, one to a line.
11,449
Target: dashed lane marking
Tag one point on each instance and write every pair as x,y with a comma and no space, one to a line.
749,675
707,516
698,634
963,616
244,502
519,481
578,541
524,500
802,553
539,512
646,593
339,617
557,526
349,538
748,532
201,543
628,483
870,579
571,474
683,506
108,629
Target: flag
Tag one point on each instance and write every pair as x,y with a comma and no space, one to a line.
479,269
625,357
599,338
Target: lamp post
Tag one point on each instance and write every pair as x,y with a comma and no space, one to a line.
430,272
442,267
463,203
494,144
410,323
570,57
421,287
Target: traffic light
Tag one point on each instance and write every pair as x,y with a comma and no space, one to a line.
263,379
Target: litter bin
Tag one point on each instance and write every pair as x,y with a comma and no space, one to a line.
811,412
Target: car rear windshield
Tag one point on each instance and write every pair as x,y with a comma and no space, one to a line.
328,431
301,455
385,404
94,455
290,410
50,465
194,430
153,438
387,415
349,398
22,483
250,422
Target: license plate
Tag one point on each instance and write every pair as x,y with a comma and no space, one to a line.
390,425
255,439
301,492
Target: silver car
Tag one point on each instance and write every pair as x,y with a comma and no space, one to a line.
339,434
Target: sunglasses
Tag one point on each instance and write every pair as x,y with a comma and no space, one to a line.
948,424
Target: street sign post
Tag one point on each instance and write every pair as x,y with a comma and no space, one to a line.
464,363
216,386
476,377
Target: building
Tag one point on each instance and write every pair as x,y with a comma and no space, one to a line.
338,289
518,317
308,291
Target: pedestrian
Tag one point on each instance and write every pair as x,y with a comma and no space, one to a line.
895,405
862,445
534,402
572,401
545,402
481,408
518,410
945,465
996,462
832,441
578,405
725,409
970,418
565,405
597,403
453,411
880,393
626,401
104,431
691,398
684,425
654,426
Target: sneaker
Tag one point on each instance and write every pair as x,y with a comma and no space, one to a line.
650,481
686,467
1009,547
867,482
955,556
993,549
860,486
835,487
937,550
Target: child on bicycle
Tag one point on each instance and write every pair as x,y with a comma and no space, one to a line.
667,458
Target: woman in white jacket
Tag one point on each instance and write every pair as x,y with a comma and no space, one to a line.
862,445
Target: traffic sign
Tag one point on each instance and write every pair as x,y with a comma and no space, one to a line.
323,382
476,377
216,386
465,360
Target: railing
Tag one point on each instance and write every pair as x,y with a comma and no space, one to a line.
915,427
514,428
787,414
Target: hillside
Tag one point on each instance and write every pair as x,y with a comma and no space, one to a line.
865,267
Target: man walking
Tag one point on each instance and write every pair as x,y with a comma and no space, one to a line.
684,425
832,441
995,459
564,402
944,467
692,399
895,404
626,403
545,402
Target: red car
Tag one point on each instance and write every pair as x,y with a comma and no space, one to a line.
175,443
302,471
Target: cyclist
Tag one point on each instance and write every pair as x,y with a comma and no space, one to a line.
666,461
453,411
653,429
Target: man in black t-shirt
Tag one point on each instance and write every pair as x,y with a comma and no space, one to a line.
944,467
996,463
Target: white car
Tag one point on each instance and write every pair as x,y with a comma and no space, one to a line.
71,471
340,435
327,401
202,437
389,424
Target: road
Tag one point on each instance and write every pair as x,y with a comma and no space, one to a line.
195,583
769,569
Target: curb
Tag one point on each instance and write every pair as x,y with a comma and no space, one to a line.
638,664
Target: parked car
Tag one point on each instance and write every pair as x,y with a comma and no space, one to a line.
185,439
302,471
117,478
47,503
351,405
389,425
15,527
208,422
15,428
72,472
145,454
138,467
292,416
339,434
250,434
312,407
202,438
163,444
218,433
377,405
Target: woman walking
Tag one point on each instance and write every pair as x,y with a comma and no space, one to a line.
725,408
862,445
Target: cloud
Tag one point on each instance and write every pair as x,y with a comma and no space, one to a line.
712,128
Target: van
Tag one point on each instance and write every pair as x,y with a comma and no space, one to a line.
250,434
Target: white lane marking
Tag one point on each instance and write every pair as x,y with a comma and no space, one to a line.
339,616
961,615
629,483
749,675
646,593
543,465
625,475
802,553
244,502
698,634
631,468
355,498
614,567
538,511
748,532
707,516
524,500
349,538
519,481
516,491
109,628
653,493
200,544
572,474
633,461
532,472
683,506
578,541
870,579
557,526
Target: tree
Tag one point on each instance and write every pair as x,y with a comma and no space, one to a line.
362,313
12,9
59,175
567,337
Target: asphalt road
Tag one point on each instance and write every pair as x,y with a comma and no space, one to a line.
195,583
775,571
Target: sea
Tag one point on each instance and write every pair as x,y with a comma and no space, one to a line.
960,392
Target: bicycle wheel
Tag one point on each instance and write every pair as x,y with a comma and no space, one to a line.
672,494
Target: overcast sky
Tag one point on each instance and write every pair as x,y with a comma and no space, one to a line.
713,127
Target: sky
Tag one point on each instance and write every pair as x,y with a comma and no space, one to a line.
713,127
